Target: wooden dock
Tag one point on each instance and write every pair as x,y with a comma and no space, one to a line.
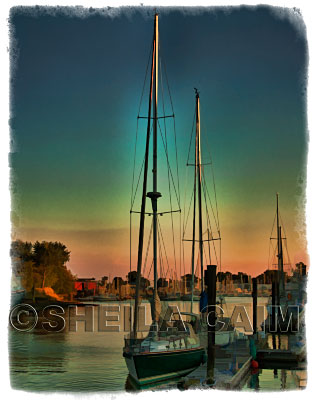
232,368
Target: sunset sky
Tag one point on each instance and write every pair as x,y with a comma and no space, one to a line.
76,86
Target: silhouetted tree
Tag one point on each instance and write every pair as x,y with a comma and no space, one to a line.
42,264
118,282
50,259
131,276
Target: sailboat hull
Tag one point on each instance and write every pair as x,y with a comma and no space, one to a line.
146,368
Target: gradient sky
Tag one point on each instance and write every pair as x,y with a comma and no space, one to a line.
76,87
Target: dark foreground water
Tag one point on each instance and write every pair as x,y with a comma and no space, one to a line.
72,361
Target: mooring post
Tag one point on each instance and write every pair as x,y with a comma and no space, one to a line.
254,295
210,280
275,301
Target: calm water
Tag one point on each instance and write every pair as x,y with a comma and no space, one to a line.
72,361
90,361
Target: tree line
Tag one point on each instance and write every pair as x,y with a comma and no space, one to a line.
42,264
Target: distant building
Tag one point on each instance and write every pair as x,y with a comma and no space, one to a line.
224,276
86,285
301,268
240,277
269,276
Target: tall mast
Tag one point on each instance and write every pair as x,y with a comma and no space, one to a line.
143,204
279,249
154,195
199,179
193,234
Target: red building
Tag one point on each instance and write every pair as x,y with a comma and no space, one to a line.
87,285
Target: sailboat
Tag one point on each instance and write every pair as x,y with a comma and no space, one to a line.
200,203
279,295
200,194
176,351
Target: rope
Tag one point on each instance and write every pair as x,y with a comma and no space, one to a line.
190,144
285,235
169,185
148,245
168,164
163,243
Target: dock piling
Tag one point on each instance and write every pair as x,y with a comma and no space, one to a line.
210,280
254,295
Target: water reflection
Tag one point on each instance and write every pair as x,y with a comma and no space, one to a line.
92,361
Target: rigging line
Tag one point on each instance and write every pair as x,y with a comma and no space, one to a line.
168,164
207,221
163,64
130,241
283,226
206,206
138,182
147,65
217,223
215,193
274,248
151,265
214,181
210,254
180,244
162,269
133,175
168,87
216,251
177,161
174,127
197,264
130,256
184,203
285,236
286,245
139,177
183,259
271,233
148,246
206,257
220,255
169,184
162,238
161,275
207,192
268,260
178,183
272,252
182,222
185,223
214,246
192,134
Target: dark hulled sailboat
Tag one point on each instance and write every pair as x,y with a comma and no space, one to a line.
174,351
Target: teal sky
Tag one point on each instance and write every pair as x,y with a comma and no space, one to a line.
75,91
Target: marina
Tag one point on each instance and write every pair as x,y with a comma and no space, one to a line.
58,355
164,282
